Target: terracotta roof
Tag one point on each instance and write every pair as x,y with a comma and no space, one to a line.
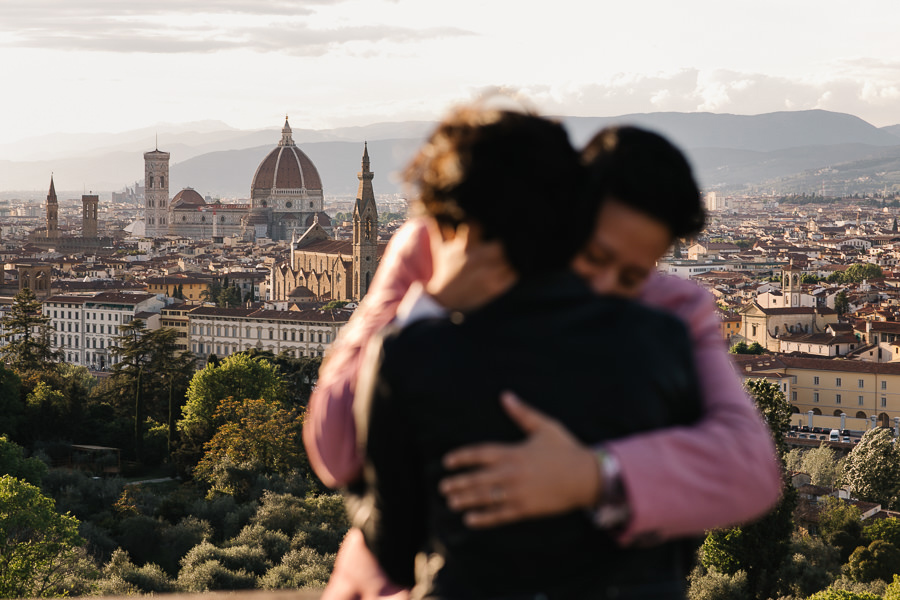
286,167
188,198
885,327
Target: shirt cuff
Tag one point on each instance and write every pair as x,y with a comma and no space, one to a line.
417,305
613,510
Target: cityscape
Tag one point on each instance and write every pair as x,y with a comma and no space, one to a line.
195,200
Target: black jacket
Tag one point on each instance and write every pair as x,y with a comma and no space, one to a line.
604,367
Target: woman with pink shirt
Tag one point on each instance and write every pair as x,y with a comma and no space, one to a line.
652,486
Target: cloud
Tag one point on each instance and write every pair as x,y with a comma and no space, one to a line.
721,91
175,26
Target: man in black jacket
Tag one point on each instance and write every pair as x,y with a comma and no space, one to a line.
604,368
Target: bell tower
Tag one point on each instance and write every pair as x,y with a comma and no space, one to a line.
52,213
89,204
156,193
365,230
790,284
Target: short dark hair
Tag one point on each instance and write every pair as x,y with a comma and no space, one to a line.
646,172
515,174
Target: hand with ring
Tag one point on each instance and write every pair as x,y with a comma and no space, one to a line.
549,473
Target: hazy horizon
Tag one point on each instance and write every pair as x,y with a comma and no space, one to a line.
107,66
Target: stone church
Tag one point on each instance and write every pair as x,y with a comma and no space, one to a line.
286,196
322,268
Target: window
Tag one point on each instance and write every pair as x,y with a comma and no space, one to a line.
883,402
884,385
794,396
861,401
815,396
837,399
862,383
816,380
837,381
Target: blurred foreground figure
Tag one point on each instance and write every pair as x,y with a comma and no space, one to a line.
655,485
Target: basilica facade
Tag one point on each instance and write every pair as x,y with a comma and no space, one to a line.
286,196
287,202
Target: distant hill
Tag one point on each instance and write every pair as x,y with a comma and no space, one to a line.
729,152
763,133
230,173
893,130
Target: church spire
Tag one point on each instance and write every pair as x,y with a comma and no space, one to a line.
51,195
287,138
365,193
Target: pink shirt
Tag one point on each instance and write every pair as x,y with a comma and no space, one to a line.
678,481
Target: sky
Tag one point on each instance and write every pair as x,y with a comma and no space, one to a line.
79,66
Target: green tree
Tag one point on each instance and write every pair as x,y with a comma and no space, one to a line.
837,594
212,291
739,348
743,348
299,374
258,436
873,468
760,548
14,463
11,406
892,591
238,376
27,342
880,560
887,530
229,297
858,272
841,303
823,466
840,525
150,378
36,543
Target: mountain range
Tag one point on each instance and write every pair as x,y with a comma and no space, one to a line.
783,152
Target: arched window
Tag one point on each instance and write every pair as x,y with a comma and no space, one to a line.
838,413
860,414
817,412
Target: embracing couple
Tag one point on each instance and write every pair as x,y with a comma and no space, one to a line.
521,407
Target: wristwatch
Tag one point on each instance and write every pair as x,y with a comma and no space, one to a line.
612,509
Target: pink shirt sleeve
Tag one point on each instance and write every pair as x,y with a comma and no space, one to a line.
717,472
329,433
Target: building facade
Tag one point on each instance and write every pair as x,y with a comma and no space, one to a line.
300,333
286,196
322,268
85,326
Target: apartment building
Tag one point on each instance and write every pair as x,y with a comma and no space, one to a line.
224,331
85,325
828,387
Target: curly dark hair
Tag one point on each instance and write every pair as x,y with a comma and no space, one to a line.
516,175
